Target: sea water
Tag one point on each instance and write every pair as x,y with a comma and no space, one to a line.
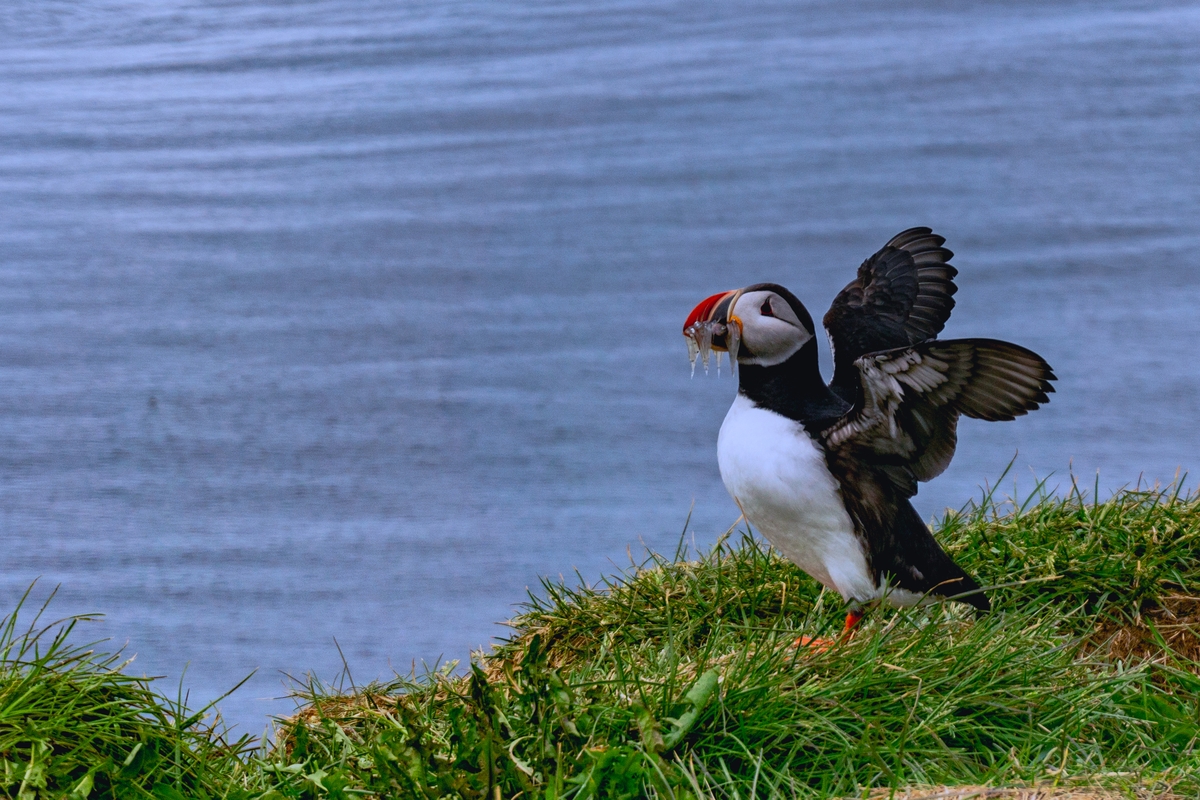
350,320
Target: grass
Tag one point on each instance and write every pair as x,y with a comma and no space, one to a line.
681,678
73,725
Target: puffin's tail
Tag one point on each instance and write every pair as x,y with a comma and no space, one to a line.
922,566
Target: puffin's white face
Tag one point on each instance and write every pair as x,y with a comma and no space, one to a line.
771,331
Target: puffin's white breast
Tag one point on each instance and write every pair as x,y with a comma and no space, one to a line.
778,475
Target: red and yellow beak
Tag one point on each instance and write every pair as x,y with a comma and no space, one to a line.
716,309
712,325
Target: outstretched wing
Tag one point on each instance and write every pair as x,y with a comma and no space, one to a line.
903,295
910,398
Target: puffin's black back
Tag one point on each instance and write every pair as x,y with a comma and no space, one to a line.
899,545
919,564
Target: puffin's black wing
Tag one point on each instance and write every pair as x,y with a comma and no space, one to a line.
906,414
903,295
902,429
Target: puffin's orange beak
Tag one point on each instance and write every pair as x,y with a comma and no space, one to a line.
713,326
713,309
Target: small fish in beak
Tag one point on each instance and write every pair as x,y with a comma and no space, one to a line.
709,328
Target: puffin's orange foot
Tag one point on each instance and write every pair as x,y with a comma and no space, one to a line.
819,643
815,642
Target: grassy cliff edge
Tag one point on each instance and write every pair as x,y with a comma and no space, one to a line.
682,678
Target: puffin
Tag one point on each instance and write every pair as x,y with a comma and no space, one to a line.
826,471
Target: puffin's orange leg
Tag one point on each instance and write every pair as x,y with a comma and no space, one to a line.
853,617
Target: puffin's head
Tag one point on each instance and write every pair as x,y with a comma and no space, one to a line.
763,324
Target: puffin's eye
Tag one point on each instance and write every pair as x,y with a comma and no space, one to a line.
766,308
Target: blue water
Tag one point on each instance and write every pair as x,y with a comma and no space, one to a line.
350,320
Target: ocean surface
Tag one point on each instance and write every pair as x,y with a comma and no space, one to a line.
349,320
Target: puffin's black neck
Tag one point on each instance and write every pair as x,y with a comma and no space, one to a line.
793,388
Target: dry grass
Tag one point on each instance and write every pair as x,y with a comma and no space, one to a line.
1169,630
1026,793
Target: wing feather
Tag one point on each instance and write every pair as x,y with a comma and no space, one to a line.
902,295
910,399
